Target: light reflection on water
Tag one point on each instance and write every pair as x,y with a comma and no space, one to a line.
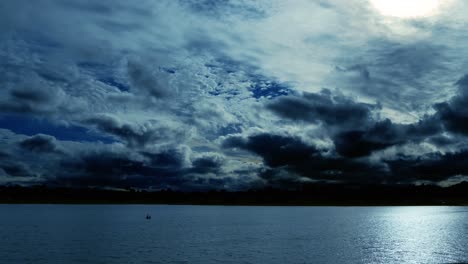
422,234
216,234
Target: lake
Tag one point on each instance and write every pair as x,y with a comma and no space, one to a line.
237,234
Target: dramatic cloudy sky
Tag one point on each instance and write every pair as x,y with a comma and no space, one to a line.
232,94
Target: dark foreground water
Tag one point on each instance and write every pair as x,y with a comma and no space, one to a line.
216,234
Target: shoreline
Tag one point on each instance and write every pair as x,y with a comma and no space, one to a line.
314,195
240,204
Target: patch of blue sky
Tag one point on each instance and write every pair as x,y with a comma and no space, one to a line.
269,89
115,83
31,126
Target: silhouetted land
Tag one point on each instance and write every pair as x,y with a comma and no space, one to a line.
316,194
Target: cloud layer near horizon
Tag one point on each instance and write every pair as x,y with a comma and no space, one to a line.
232,94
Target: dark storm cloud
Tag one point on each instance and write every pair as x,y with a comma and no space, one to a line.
384,134
434,167
324,107
165,169
44,159
34,96
101,169
288,159
135,135
351,125
454,114
4,155
295,156
207,164
33,99
16,169
177,158
126,132
39,143
356,133
123,168
174,158
335,111
276,150
360,143
220,8
107,164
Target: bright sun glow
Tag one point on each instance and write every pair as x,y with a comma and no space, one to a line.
406,8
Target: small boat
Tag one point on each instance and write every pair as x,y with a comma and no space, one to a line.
148,217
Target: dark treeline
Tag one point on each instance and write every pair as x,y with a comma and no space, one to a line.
316,194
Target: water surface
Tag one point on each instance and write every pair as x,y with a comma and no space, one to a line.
217,234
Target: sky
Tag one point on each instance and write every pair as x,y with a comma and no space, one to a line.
233,94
